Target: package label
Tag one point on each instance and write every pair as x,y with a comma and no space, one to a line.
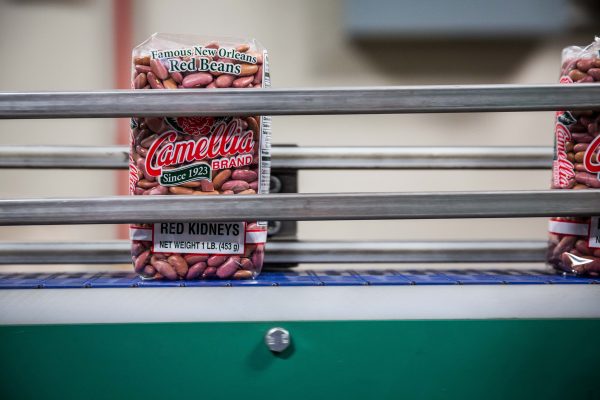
199,237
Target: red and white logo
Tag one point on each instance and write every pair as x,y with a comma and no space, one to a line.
564,172
588,158
226,140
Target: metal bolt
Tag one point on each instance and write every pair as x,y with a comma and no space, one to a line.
273,228
277,339
275,185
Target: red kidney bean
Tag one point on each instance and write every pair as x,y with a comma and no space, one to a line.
201,193
215,261
580,147
169,84
220,178
586,79
196,270
585,64
244,175
594,73
140,81
159,190
149,271
247,191
228,268
258,77
582,137
141,151
154,82
155,125
587,179
209,273
177,77
142,69
235,184
207,186
179,264
165,269
246,264
197,80
224,81
248,70
576,75
141,261
159,69
144,184
143,60
242,274
141,167
253,124
242,82
195,258
180,190
149,73
259,255
157,257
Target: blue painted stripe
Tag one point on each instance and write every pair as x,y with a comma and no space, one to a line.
300,278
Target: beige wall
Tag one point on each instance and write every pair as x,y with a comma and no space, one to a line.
71,41
56,45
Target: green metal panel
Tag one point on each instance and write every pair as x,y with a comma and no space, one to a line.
492,359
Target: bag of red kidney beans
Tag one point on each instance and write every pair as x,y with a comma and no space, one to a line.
574,244
199,156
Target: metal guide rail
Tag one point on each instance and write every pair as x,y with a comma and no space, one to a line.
293,207
285,252
306,157
367,100
299,207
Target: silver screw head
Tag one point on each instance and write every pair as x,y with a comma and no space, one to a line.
277,339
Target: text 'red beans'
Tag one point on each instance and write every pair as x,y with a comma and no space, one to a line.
574,243
199,156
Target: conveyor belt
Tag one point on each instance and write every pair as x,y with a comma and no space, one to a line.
299,278
122,297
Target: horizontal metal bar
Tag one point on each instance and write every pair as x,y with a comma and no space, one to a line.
357,100
405,252
286,157
501,157
118,252
307,207
64,157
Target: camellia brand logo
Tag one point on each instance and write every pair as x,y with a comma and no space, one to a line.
564,172
226,140
588,158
